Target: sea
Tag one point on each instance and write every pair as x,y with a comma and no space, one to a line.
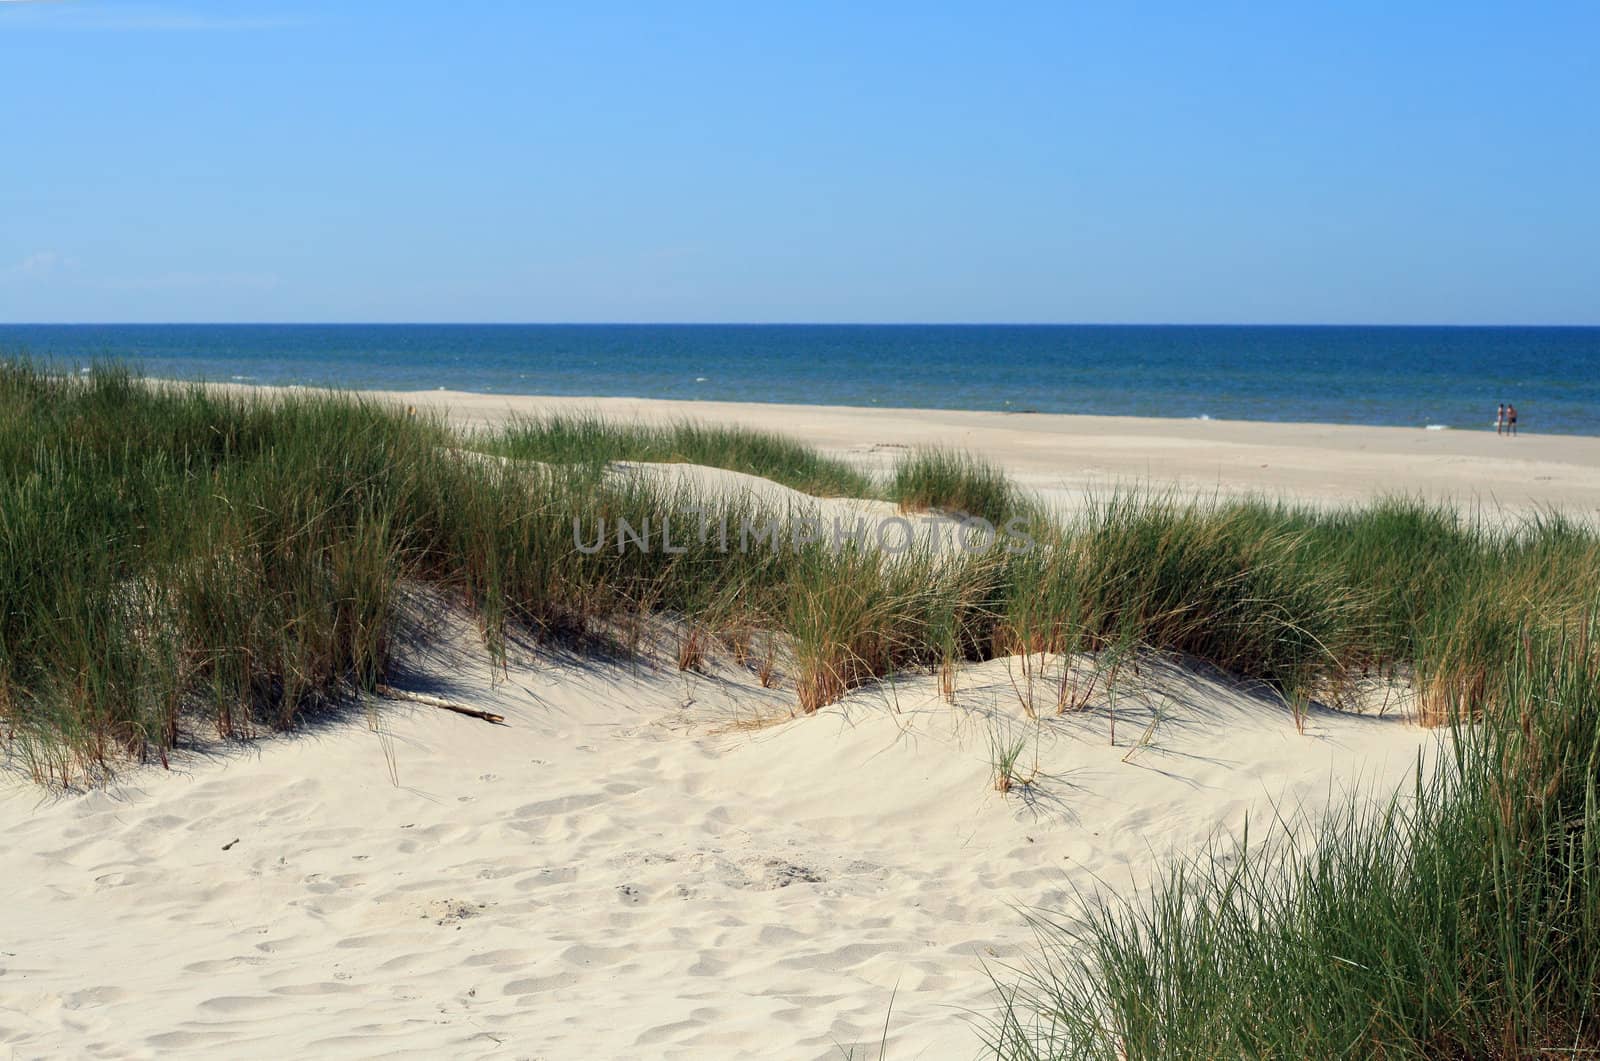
1444,378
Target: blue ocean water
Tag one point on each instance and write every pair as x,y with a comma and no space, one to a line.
1404,376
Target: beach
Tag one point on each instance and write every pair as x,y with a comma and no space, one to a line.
1067,457
641,860
824,531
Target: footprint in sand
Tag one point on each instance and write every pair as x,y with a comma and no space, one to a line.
446,912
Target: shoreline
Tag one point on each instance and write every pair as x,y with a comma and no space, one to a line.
533,396
1076,454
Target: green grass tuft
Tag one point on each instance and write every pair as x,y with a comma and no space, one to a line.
955,482
588,441
1460,920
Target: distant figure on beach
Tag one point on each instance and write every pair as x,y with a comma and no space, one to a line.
1500,418
1511,419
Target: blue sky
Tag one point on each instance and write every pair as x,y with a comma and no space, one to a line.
499,161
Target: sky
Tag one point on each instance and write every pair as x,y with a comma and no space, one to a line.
1057,162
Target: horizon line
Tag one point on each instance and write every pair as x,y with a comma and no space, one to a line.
775,324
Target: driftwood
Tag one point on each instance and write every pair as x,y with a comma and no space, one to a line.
443,705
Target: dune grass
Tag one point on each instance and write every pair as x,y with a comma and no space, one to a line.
926,479
955,482
176,557
172,553
587,440
1460,920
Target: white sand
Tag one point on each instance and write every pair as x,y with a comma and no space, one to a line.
1069,455
621,870
632,867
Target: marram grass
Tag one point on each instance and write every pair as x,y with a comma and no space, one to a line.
172,554
1462,919
587,440
955,482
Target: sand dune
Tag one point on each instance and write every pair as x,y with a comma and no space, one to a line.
639,863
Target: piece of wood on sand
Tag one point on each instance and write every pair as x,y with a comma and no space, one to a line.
444,705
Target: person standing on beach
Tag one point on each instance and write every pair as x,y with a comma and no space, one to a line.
1511,419
1500,418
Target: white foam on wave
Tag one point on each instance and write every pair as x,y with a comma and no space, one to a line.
1436,427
